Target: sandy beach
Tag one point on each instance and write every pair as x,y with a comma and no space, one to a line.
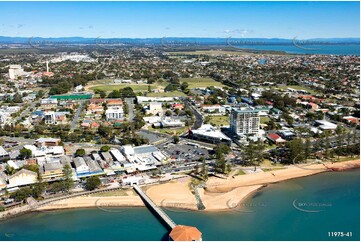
219,194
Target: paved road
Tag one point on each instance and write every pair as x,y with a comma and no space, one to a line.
76,116
130,102
199,118
27,111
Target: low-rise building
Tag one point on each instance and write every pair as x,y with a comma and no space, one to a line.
80,166
114,113
4,155
22,178
214,109
52,171
275,138
208,133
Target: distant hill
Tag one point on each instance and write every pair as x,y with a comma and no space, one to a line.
173,40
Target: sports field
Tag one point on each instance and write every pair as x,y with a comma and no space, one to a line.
166,94
201,82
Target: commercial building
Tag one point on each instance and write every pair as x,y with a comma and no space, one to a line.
22,178
4,155
15,71
49,117
114,113
245,121
208,133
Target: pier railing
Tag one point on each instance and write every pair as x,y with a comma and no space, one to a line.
155,208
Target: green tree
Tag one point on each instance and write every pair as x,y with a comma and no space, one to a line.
25,153
9,170
105,148
204,170
220,165
80,152
296,151
168,113
307,149
21,194
176,139
39,187
250,153
92,183
67,178
184,86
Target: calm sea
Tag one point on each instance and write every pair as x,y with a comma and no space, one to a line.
300,209
353,49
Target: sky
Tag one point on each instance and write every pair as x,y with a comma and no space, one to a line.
180,19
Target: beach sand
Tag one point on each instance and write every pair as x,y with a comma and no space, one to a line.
219,194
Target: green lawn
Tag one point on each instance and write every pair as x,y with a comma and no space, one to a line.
210,52
201,82
113,193
176,131
135,87
268,163
166,94
284,88
265,119
219,120
240,172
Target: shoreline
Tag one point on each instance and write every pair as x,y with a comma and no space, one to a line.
217,196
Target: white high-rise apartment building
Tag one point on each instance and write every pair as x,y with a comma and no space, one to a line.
245,121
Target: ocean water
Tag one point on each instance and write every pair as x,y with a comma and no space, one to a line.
352,49
300,209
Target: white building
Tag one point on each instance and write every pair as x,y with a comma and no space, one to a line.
210,134
49,101
245,121
4,117
213,109
154,108
15,71
49,117
22,178
80,165
325,125
4,155
114,113
169,122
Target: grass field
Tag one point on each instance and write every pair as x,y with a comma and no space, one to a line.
298,88
210,52
284,88
135,87
201,82
268,163
219,120
177,131
222,52
166,94
114,193
265,119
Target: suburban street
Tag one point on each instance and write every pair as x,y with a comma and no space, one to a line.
76,116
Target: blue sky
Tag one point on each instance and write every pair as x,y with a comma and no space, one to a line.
180,19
